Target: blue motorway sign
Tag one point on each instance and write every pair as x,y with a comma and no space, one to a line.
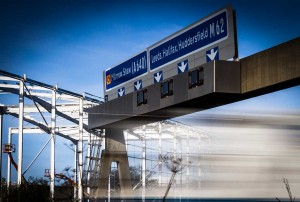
199,37
126,71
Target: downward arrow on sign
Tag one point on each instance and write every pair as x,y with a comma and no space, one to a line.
138,85
158,76
182,66
121,92
212,54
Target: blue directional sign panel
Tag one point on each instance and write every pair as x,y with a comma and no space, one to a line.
158,76
126,71
211,31
138,85
210,38
121,92
212,54
183,66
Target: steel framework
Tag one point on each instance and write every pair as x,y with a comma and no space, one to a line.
53,111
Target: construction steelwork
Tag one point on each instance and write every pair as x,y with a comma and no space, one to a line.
47,104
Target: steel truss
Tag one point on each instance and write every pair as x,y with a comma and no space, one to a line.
53,111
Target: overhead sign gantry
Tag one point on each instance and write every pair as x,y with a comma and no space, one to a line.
178,83
177,70
210,38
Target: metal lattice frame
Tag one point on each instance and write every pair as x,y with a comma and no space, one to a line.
169,130
53,111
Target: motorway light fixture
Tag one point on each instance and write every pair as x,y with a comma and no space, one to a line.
196,77
141,97
166,88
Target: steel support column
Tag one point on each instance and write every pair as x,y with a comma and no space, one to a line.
52,145
175,143
80,152
20,135
88,190
188,157
144,163
103,145
199,161
175,156
8,160
75,170
159,153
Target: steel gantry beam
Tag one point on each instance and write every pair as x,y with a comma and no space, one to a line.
13,77
46,106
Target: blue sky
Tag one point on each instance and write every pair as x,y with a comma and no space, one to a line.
70,43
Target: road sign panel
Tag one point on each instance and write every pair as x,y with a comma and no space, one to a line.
126,71
202,35
211,38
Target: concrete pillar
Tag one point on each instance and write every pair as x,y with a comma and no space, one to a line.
80,152
52,144
20,134
115,152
